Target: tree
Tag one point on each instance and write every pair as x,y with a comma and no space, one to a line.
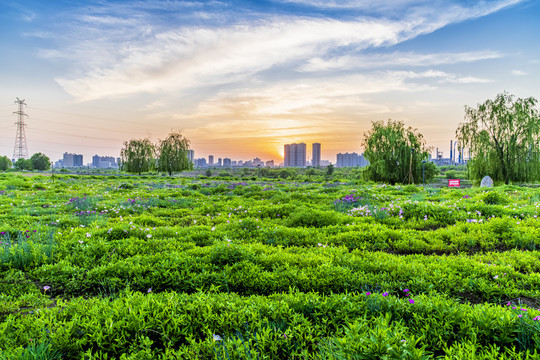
395,153
330,169
40,162
5,163
503,139
310,172
137,156
23,164
173,154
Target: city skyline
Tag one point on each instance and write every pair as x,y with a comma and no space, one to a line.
242,78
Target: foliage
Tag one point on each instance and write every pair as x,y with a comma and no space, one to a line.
330,169
5,163
393,150
137,156
40,162
172,154
156,267
503,137
23,164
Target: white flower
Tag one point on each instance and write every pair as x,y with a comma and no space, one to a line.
88,235
149,236
217,337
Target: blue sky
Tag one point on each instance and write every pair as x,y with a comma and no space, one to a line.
242,78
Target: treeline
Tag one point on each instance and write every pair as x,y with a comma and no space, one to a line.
38,161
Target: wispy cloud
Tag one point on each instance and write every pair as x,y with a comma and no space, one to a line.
519,72
121,52
395,60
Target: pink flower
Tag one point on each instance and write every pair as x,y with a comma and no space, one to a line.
411,301
368,293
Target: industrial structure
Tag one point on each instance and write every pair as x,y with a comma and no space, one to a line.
20,150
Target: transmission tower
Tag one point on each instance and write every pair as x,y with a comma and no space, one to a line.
20,151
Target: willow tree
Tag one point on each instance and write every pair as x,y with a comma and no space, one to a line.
395,153
173,154
137,156
503,137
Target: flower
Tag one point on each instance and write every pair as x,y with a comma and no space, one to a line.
149,290
217,337
88,235
385,294
411,301
406,290
81,242
46,287
368,293
149,236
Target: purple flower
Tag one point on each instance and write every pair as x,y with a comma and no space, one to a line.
368,293
411,301
406,290
385,294
46,287
149,290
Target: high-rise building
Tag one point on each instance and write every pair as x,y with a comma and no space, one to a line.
96,161
103,162
219,161
210,160
191,156
316,154
72,160
227,162
351,160
270,163
198,163
295,155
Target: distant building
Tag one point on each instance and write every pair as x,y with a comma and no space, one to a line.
103,162
295,155
351,160
191,156
72,160
227,162
316,154
270,163
210,160
257,162
325,162
199,163
219,162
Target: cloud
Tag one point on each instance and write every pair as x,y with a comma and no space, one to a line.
519,72
394,59
122,54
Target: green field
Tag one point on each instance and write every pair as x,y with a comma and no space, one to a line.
97,267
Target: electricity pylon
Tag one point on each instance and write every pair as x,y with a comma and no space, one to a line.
20,151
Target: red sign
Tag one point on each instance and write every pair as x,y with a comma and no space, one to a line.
453,182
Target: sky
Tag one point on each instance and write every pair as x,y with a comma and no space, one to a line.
242,78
